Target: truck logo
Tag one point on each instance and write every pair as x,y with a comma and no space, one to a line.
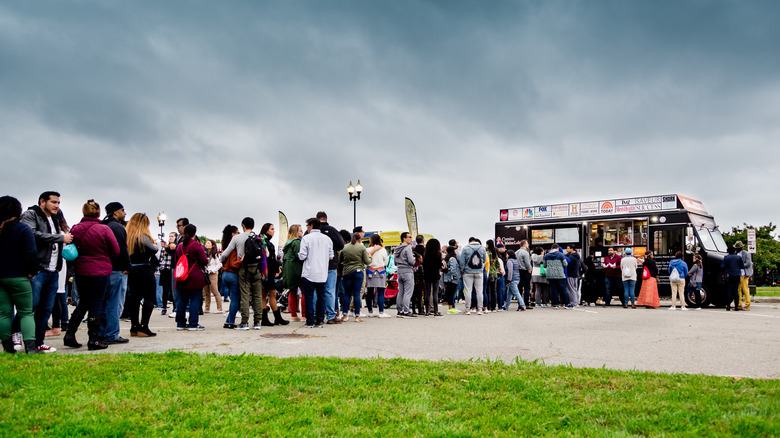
504,215
528,212
607,207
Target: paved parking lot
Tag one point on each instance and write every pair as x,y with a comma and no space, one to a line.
710,341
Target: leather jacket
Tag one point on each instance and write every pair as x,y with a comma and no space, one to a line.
45,238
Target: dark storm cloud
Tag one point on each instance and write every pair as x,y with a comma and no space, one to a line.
276,105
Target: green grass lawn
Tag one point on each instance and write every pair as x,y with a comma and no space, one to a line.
768,291
187,394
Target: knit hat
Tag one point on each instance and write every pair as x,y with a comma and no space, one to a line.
111,207
628,251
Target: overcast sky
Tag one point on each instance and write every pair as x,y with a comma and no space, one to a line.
220,110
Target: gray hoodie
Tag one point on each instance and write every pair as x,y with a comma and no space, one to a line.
404,259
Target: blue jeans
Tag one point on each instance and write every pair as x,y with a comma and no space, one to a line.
189,299
330,295
609,284
514,292
315,295
501,290
340,293
628,291
159,290
114,304
558,290
44,290
230,289
352,282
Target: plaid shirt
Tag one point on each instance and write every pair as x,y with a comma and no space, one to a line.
165,260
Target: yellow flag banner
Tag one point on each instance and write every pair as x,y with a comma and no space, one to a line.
411,216
282,232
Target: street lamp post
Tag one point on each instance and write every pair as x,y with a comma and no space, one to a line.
354,195
161,217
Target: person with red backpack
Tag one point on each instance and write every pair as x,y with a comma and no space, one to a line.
189,279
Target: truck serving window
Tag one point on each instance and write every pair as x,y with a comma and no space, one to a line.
621,233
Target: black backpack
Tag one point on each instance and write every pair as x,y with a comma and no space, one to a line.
253,250
474,261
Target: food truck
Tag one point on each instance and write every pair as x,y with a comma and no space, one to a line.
663,224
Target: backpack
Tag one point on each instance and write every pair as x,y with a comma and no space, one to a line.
583,268
627,271
183,268
674,276
253,250
474,261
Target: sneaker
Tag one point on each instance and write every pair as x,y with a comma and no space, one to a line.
217,312
555,307
243,327
178,329
351,314
683,308
452,311
229,326
384,315
400,315
17,338
257,327
320,325
671,308
697,308
309,326
163,312
358,319
468,312
198,328
487,311
371,314
172,315
411,315
457,311
344,318
592,304
480,313
46,349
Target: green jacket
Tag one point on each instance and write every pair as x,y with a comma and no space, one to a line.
354,258
291,264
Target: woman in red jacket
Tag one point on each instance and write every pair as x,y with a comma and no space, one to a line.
191,288
97,246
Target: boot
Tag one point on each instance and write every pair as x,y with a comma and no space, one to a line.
8,346
30,347
70,336
145,332
278,320
93,328
70,341
265,321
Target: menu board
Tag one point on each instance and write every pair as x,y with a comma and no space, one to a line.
567,235
542,236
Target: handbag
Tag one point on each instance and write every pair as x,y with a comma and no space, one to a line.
536,271
542,271
645,273
70,252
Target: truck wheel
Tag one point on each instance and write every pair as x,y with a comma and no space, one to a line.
690,297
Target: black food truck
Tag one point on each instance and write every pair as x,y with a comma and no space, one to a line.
662,224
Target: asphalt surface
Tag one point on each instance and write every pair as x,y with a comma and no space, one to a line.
711,341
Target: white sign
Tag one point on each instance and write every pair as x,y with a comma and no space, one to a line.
751,240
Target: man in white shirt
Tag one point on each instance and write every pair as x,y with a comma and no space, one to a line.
316,252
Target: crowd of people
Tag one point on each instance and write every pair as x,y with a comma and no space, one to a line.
113,268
